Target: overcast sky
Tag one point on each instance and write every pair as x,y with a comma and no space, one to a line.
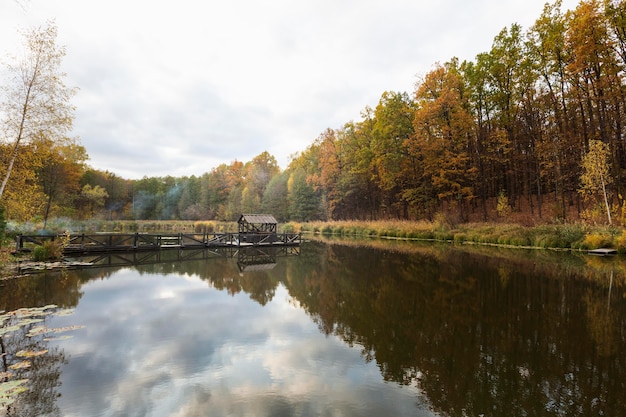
177,88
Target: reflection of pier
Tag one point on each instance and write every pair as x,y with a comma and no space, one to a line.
129,242
257,259
247,256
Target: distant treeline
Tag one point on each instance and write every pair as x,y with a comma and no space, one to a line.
537,122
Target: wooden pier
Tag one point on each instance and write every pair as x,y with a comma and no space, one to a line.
603,252
120,242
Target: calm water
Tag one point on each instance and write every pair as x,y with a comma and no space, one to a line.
338,329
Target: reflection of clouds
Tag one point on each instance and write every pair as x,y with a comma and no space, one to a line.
205,352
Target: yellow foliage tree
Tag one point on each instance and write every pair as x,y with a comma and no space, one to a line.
35,102
596,173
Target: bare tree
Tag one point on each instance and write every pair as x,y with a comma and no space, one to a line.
23,4
35,101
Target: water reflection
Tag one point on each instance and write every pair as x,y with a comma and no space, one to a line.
458,332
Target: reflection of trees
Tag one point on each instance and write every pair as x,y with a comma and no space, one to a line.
42,371
518,333
537,342
61,288
224,274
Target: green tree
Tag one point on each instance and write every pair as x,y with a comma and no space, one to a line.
275,200
305,194
257,175
505,71
35,101
304,202
94,198
189,205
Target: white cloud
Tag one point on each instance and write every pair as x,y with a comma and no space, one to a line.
199,351
178,88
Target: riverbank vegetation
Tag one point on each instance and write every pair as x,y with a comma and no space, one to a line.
548,236
574,236
524,145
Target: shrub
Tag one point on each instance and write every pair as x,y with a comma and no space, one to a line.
441,222
596,240
460,237
48,251
443,235
327,230
503,208
570,236
620,242
52,250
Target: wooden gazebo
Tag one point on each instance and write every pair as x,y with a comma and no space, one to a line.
257,224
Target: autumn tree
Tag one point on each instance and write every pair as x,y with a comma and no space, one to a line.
221,181
257,174
596,173
505,71
23,197
392,128
597,80
35,101
546,49
443,130
487,154
59,174
329,170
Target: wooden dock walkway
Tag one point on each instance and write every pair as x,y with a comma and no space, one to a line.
119,242
602,252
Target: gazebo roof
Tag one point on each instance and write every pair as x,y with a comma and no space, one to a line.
257,219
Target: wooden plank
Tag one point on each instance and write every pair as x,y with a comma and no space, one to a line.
603,251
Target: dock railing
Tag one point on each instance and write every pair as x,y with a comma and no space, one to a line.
111,242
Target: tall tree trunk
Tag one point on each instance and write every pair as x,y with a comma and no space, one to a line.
47,212
9,168
606,201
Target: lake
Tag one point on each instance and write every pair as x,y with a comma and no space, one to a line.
333,328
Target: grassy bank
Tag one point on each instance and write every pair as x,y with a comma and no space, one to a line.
575,236
557,236
122,226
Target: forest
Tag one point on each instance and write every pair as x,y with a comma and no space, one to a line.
531,131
